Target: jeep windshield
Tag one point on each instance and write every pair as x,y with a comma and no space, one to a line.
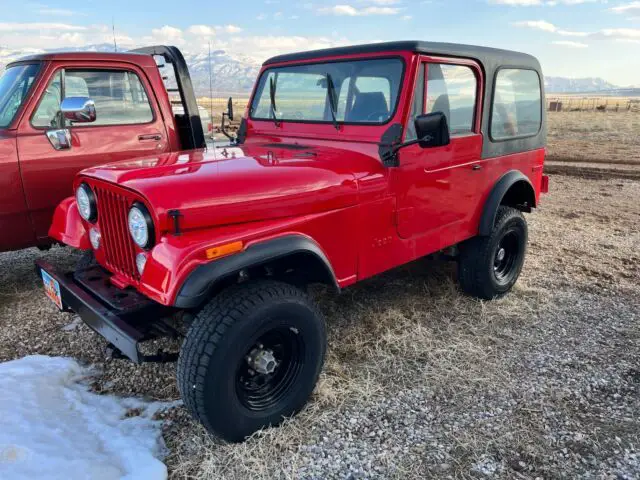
15,83
365,92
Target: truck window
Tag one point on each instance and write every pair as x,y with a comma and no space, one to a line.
367,91
451,89
15,84
517,104
417,105
48,112
119,96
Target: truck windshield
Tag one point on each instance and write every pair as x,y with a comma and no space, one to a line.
15,83
365,92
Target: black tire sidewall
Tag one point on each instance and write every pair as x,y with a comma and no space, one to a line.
224,410
513,223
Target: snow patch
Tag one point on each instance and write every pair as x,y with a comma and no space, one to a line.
52,426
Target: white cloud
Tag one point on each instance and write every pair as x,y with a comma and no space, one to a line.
570,44
633,7
605,33
38,26
230,29
519,3
351,11
202,30
549,27
620,33
538,3
537,24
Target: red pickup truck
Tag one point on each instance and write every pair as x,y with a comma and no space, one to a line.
63,112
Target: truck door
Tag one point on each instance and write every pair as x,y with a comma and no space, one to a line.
434,193
128,124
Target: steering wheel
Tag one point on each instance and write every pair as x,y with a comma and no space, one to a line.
375,116
298,115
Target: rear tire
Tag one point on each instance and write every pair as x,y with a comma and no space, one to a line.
251,358
490,266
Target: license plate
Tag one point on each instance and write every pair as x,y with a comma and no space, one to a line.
52,288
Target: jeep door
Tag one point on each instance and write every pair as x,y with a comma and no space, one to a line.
128,124
435,197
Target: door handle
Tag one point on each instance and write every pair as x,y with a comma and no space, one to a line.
156,137
476,167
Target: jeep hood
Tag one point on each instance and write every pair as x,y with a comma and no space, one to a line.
224,186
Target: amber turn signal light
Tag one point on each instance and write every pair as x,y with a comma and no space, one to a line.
222,250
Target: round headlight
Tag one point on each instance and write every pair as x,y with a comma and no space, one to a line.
140,225
86,201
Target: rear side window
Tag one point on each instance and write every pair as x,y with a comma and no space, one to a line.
517,104
119,96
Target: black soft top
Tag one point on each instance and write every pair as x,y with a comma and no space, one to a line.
485,55
490,59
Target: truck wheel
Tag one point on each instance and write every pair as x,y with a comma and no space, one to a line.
251,358
490,266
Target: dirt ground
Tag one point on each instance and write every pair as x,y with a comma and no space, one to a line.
420,380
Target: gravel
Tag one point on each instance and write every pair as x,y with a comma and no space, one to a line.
421,381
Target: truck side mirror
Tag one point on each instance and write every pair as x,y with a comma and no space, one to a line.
228,114
432,130
230,108
78,109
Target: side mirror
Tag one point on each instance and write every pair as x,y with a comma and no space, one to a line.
78,109
432,130
230,109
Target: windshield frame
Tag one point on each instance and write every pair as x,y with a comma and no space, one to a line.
29,91
320,61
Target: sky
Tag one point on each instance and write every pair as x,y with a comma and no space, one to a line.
572,38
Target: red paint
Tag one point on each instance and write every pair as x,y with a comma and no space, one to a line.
366,217
34,177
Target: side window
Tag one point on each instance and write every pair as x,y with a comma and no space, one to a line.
451,89
417,105
119,97
48,114
517,104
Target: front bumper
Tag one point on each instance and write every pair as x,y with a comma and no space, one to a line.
124,318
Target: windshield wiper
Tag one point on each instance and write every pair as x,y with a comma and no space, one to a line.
272,94
333,104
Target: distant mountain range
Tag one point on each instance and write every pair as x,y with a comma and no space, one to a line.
236,74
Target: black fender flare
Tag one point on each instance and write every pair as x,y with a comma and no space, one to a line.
197,287
496,196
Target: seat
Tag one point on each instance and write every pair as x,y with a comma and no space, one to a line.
366,105
442,105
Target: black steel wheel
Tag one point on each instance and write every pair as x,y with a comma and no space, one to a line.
269,369
490,266
251,358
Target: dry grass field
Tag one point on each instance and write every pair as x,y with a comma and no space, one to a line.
422,381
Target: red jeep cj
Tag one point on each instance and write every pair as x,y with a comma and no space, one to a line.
348,162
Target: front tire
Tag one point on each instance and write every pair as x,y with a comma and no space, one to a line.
251,358
490,266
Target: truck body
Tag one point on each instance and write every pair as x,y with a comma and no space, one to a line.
133,118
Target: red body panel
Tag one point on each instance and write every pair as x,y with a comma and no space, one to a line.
331,187
15,228
37,179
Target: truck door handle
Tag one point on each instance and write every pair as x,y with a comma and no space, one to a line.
154,136
476,167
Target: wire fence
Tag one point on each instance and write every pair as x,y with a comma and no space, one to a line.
591,104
